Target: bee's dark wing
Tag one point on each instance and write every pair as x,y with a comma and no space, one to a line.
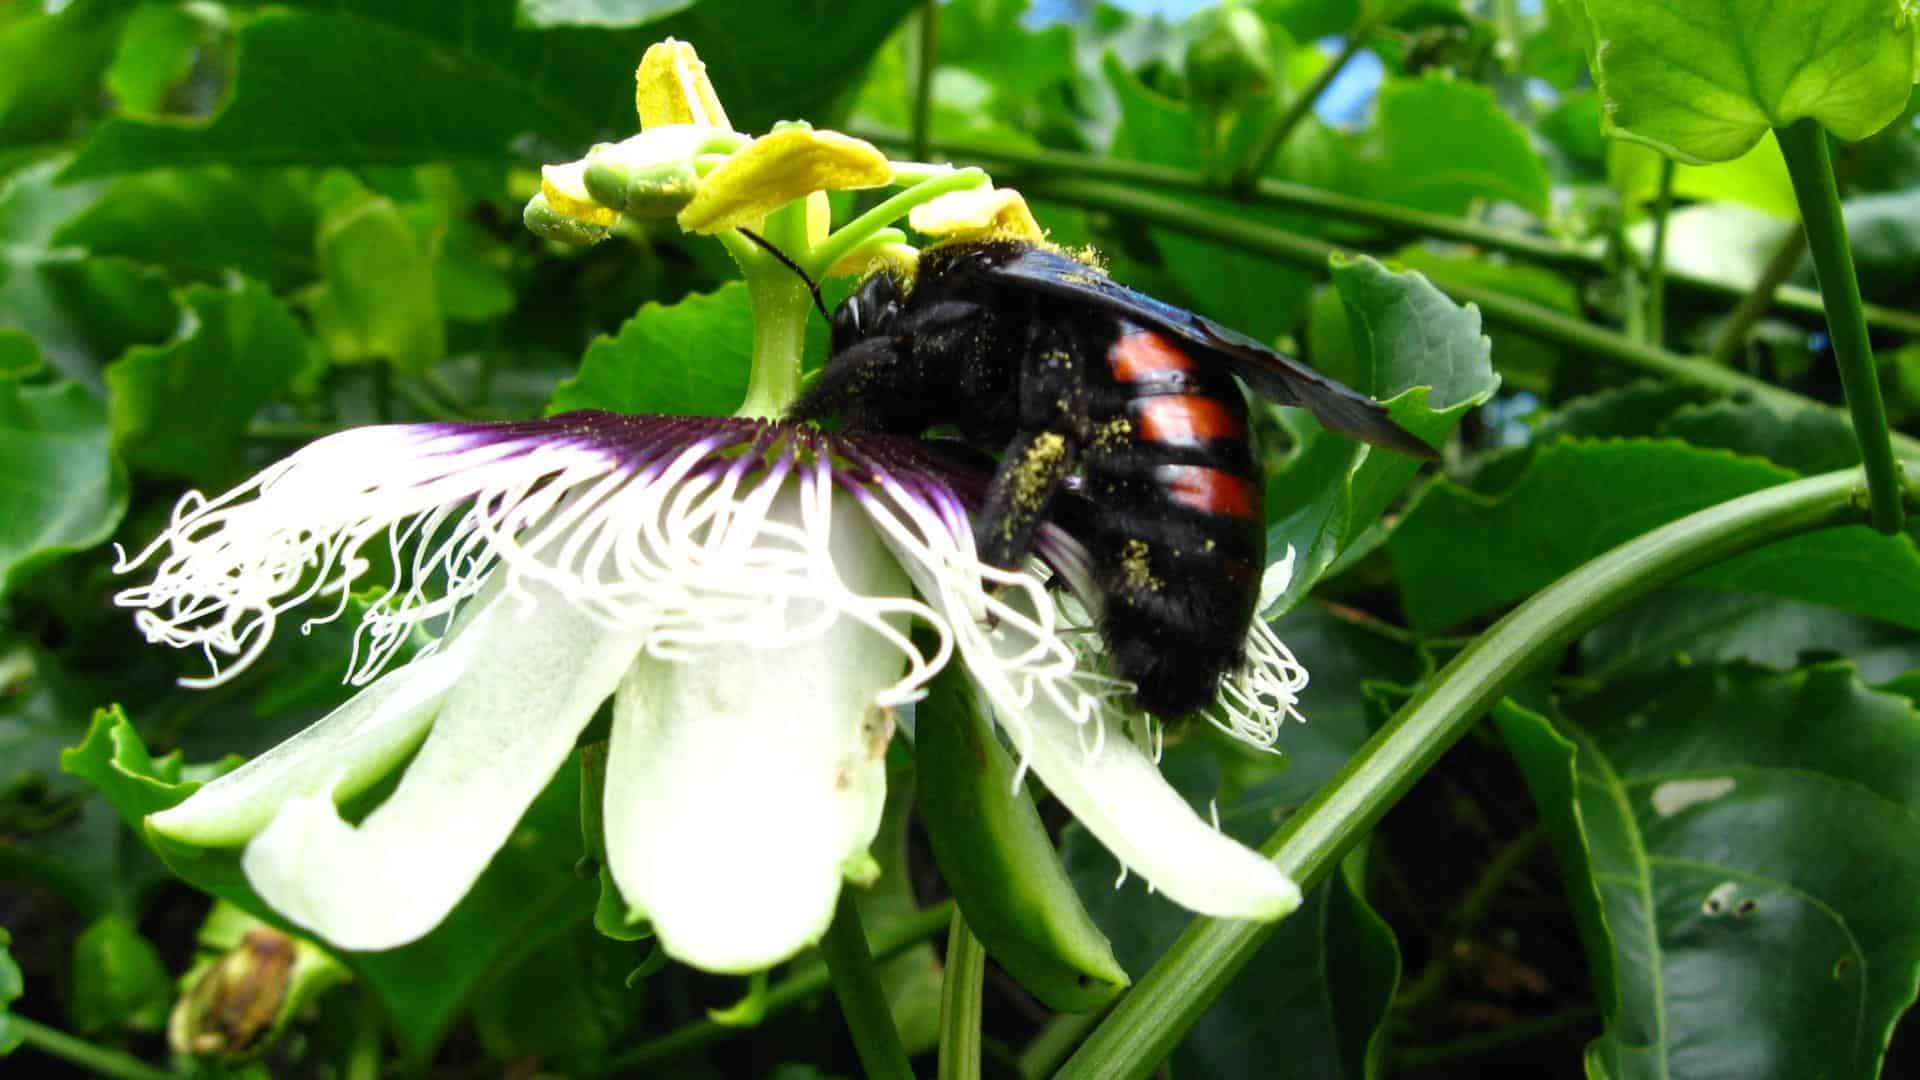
1272,375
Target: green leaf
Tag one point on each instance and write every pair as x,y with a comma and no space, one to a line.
689,358
379,300
616,14
1745,874
80,312
157,52
40,715
1462,553
529,886
207,221
1405,339
183,407
50,67
1690,627
118,978
398,81
563,997
11,987
1808,441
1757,178
1702,80
1256,295
62,489
1423,126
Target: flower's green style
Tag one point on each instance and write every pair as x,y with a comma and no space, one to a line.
742,589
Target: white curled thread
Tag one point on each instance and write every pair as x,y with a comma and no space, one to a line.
679,543
675,539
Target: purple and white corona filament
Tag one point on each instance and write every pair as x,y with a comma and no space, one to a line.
742,590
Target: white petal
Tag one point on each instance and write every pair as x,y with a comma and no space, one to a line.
1116,791
536,679
744,780
341,754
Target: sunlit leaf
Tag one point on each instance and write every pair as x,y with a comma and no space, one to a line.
1702,80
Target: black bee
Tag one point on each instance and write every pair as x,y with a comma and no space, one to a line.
1115,415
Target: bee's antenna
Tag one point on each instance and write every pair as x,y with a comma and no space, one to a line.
812,286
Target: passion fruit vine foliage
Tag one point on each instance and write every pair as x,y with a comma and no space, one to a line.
1611,762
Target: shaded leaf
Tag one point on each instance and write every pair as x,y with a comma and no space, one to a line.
11,987
1750,872
119,980
689,358
61,489
183,407
205,221
1690,627
379,300
1462,553
398,81
608,13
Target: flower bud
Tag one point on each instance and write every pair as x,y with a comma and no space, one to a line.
239,1001
1231,57
542,220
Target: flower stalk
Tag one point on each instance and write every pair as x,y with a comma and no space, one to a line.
960,1003
862,1002
1804,145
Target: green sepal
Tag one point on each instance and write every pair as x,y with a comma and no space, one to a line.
995,854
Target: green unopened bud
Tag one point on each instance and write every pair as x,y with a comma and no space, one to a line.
240,1000
1230,57
652,174
543,221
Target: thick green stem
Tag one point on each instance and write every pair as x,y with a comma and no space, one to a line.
1733,335
1541,322
1804,145
862,1002
1657,258
1247,173
803,985
91,1059
1165,1004
1042,1056
960,1003
1053,165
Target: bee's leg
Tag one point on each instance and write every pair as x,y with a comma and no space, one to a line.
1045,450
852,384
1035,465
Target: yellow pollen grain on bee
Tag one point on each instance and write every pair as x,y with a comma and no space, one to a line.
1032,476
1113,435
1135,567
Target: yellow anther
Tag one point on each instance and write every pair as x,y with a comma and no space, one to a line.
977,213
779,168
671,87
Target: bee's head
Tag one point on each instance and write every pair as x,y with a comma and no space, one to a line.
871,310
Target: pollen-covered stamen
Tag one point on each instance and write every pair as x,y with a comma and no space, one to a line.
666,525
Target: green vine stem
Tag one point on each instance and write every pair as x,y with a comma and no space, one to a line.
1733,333
1247,174
1541,322
1165,1004
803,985
1804,144
95,1060
1030,166
960,1003
1657,258
862,1003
